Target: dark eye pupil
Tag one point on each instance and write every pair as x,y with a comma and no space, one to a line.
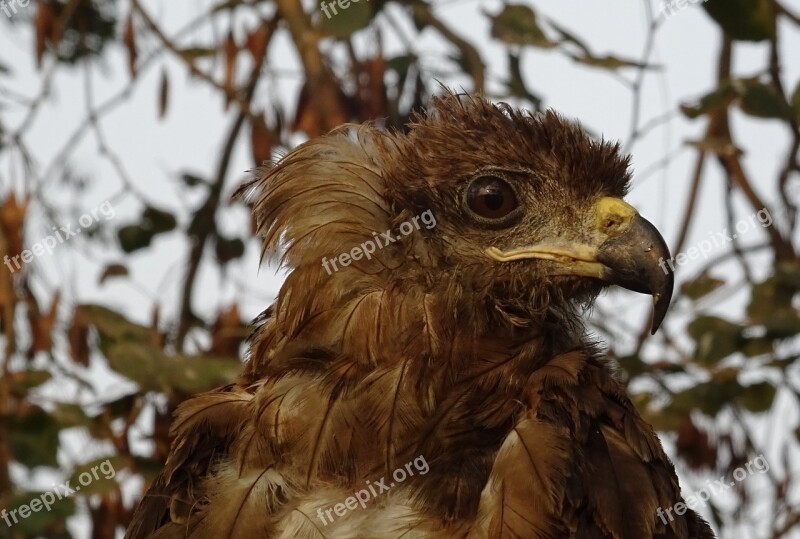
491,197
494,200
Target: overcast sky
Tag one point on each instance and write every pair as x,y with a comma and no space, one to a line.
189,139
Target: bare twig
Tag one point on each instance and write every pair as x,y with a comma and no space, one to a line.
472,58
206,215
230,94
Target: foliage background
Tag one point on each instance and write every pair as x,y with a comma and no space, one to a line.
161,107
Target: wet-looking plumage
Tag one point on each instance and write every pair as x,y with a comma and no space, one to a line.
461,342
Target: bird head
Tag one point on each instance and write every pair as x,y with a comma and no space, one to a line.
524,209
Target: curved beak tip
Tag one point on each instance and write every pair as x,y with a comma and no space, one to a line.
636,262
661,301
659,312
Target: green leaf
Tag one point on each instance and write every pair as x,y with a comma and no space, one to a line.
137,361
715,339
717,99
755,98
745,20
664,418
158,221
226,5
23,381
516,83
771,305
783,324
342,18
122,406
717,145
763,101
79,41
758,397
782,363
708,397
97,476
712,396
229,249
191,375
758,346
134,237
632,365
796,103
584,54
71,415
194,53
568,37
401,64
48,521
516,24
700,287
153,370
33,438
193,180
788,277
112,326
607,62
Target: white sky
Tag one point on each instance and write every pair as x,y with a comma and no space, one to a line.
189,139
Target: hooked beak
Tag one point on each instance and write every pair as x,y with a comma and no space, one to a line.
628,251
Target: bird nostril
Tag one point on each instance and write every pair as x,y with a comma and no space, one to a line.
613,222
613,216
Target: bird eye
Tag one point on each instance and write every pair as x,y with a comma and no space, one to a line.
491,197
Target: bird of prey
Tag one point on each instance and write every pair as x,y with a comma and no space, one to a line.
425,371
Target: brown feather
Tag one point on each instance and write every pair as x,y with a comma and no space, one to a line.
424,350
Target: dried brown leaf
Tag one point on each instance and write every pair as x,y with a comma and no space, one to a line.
157,337
12,219
231,52
372,91
320,109
78,336
113,270
227,333
42,325
45,27
256,43
163,95
260,140
129,39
